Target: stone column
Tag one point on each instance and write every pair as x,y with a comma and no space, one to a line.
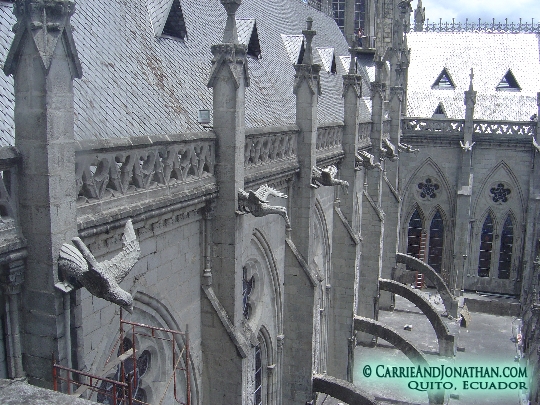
348,29
11,281
43,61
228,80
346,235
462,237
299,290
372,213
391,199
532,232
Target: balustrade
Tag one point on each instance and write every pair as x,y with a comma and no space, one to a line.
427,125
265,148
525,128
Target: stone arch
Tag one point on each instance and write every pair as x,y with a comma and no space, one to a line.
342,390
151,311
322,264
450,302
382,331
444,337
445,200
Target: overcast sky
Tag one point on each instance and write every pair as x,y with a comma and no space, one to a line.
484,9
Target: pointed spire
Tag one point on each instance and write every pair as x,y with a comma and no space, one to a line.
45,22
230,35
471,82
419,17
309,33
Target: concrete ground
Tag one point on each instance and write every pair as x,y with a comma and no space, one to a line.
486,341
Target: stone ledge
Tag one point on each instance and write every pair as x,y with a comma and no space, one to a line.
14,392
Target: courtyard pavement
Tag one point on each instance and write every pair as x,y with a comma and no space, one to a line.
487,341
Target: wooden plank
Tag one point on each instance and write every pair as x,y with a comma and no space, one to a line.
108,367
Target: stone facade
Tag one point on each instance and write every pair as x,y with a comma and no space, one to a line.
272,268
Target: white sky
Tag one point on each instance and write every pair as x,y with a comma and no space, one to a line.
484,9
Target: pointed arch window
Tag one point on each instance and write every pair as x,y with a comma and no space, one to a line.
414,234
507,243
436,242
257,393
486,246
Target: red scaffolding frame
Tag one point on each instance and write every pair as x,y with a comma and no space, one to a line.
122,391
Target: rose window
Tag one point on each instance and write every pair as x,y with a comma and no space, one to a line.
428,188
500,193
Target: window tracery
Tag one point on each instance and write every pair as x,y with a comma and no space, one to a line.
486,246
507,243
247,288
500,193
436,242
428,188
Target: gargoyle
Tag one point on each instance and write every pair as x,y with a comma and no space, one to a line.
255,203
366,160
389,150
327,177
466,145
79,267
403,147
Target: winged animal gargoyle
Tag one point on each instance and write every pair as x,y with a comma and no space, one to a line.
389,150
255,203
404,147
367,160
79,267
327,177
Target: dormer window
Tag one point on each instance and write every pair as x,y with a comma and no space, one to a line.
248,35
508,83
328,59
439,112
444,81
294,44
175,25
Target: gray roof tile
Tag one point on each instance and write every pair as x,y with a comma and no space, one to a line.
490,55
136,84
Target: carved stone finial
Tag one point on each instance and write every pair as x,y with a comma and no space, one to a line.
471,81
230,36
78,267
255,203
419,17
45,21
352,51
309,34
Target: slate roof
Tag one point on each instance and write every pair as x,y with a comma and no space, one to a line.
490,55
135,83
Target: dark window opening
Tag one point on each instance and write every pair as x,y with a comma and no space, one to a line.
301,54
254,46
258,376
333,69
247,288
439,111
486,246
414,235
436,241
508,83
444,81
507,243
175,26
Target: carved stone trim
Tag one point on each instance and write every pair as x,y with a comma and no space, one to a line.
354,236
237,338
314,277
378,210
352,82
377,89
394,192
234,56
310,74
12,277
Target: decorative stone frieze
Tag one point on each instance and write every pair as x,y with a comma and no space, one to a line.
269,147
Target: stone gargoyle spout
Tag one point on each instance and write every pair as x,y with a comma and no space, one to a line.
78,267
327,177
255,203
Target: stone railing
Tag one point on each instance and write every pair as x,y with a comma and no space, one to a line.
329,142
505,128
270,153
112,168
492,26
416,126
9,158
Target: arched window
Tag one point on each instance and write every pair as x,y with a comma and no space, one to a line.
414,234
507,242
258,392
133,373
436,240
486,246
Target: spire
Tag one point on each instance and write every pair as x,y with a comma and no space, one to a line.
471,82
45,22
230,35
309,33
419,17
